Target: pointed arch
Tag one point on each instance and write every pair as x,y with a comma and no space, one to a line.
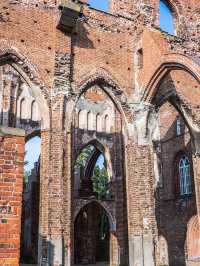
102,148
170,62
111,219
38,90
108,84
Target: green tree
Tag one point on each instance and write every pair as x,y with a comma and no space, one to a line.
100,181
26,173
83,156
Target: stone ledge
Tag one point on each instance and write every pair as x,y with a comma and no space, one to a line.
11,131
75,6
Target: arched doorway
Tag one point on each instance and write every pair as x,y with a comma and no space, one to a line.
91,235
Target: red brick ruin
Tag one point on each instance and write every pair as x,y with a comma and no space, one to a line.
100,88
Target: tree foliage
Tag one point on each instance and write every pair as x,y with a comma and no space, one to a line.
83,156
100,181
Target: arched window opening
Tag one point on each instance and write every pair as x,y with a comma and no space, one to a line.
92,236
23,114
30,207
82,119
166,18
140,58
35,116
90,174
185,176
102,5
107,124
178,127
98,123
90,121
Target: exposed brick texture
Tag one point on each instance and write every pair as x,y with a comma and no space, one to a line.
117,81
11,176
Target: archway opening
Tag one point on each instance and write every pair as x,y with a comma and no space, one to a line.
30,202
90,172
174,146
92,235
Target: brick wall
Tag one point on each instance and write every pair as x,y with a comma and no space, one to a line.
11,183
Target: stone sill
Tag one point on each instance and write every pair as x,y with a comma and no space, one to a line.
10,131
71,5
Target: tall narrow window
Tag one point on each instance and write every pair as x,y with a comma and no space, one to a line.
166,18
82,119
90,121
185,176
98,123
107,124
178,127
35,116
23,114
140,58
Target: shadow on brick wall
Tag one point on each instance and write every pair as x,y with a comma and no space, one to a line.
173,211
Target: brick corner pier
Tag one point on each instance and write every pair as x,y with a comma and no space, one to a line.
11,186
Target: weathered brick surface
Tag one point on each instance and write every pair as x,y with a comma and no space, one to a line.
139,67
11,183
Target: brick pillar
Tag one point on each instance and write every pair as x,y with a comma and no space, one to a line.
196,169
43,238
140,191
114,249
11,186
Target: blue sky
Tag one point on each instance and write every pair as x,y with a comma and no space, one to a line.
100,161
166,18
100,4
33,149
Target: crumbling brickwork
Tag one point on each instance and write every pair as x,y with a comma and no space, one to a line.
11,176
77,76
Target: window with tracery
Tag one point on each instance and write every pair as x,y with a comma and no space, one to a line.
185,176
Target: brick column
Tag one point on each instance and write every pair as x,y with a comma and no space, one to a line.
11,186
196,169
140,191
43,238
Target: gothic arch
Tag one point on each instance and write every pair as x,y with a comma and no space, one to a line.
102,149
22,65
107,84
171,62
111,219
